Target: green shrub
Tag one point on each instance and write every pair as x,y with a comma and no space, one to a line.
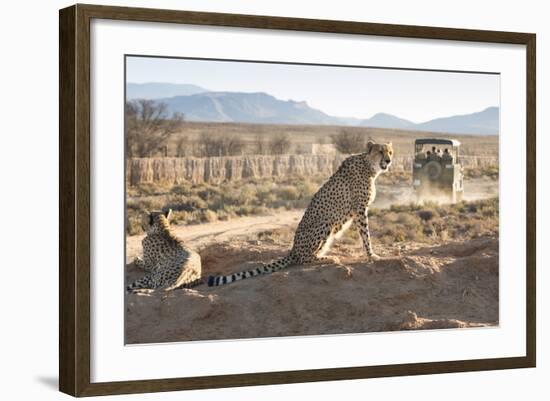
179,217
288,193
426,214
209,216
181,189
194,202
307,189
247,195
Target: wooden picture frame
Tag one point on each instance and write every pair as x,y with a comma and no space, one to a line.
74,199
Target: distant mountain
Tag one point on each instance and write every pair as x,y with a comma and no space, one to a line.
242,107
263,108
484,122
383,120
157,90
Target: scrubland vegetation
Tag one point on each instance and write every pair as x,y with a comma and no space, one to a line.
435,223
200,203
429,224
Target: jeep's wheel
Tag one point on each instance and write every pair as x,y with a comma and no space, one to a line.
433,170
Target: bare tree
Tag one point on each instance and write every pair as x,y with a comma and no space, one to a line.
205,146
280,144
209,145
183,146
148,127
348,141
234,145
260,145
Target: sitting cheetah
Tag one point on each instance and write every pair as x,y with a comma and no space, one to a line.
344,199
169,263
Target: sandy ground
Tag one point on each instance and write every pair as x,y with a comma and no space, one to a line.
448,286
414,286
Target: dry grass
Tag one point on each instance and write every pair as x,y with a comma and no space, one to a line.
427,224
199,203
434,223
490,171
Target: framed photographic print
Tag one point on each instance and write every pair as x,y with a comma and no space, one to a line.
250,200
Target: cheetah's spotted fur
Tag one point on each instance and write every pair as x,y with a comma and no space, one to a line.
344,199
168,262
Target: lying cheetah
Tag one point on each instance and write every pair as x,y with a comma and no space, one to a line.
169,263
344,199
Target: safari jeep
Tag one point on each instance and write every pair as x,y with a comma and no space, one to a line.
437,173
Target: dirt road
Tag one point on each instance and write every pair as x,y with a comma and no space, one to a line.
200,235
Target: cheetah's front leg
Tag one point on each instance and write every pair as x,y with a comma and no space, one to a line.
362,223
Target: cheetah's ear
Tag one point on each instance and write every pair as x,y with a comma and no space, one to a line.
167,214
370,144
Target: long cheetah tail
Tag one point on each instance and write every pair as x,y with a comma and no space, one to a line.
214,281
191,284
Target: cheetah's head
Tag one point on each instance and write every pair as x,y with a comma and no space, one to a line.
155,221
380,155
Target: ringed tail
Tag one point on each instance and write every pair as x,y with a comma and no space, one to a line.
214,281
191,284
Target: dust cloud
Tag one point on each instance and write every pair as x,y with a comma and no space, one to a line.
403,194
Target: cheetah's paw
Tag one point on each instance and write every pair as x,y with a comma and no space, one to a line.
374,257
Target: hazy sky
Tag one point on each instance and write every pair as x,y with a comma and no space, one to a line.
339,91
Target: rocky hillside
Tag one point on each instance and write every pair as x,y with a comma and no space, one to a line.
263,108
246,108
